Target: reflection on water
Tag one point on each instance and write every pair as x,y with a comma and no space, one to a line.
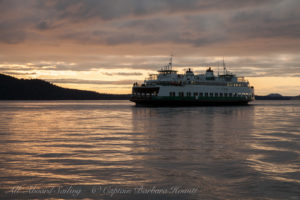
241,152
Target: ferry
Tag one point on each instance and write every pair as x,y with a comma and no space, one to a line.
168,88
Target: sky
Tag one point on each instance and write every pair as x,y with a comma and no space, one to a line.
106,45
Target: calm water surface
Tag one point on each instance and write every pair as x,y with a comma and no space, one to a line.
114,150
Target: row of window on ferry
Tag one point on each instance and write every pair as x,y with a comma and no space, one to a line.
206,94
193,82
236,84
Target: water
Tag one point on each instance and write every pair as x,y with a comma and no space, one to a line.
113,150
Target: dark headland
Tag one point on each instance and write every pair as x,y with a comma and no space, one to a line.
12,88
35,89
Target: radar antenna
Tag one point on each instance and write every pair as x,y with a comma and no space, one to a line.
171,61
224,67
218,67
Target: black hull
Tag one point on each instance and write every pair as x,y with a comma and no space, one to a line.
172,103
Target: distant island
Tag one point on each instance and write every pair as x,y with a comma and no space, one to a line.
35,89
273,96
12,88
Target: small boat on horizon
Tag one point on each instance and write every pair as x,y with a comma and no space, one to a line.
167,88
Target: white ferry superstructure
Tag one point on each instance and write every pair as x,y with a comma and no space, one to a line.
167,88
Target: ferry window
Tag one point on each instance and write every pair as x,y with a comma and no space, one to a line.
188,94
225,94
221,94
206,94
172,94
200,94
181,94
211,94
216,94
195,93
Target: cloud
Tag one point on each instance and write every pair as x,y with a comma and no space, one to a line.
133,37
123,74
93,82
76,10
18,73
43,25
11,33
45,66
114,66
122,22
279,20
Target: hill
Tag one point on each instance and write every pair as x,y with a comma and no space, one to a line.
273,96
35,89
296,98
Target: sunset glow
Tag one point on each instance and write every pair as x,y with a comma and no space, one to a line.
106,46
